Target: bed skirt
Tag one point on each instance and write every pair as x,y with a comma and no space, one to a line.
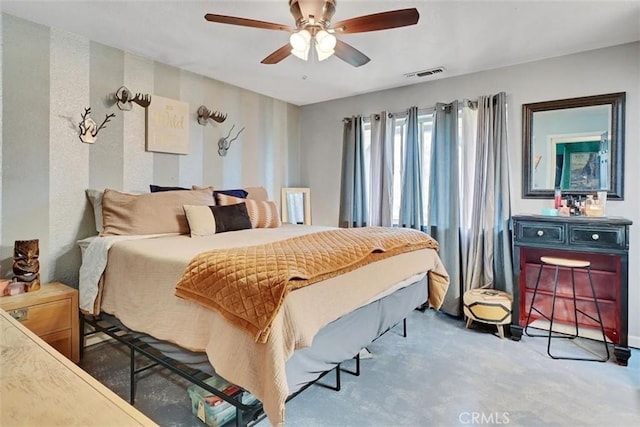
335,343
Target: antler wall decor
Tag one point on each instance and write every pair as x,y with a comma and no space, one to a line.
225,143
204,114
126,99
88,127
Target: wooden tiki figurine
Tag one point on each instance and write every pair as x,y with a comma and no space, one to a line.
26,266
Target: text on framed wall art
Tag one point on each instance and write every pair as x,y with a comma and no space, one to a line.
168,126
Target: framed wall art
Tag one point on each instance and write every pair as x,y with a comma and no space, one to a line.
168,126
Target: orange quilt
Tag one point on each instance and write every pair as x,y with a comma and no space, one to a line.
248,285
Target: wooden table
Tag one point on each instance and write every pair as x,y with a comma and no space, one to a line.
39,386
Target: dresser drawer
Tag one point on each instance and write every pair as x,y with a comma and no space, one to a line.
61,341
45,318
540,232
595,236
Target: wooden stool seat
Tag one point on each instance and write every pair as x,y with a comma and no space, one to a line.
565,262
488,306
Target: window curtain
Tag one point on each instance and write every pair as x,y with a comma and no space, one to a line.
353,197
411,196
490,255
381,189
470,204
468,155
444,198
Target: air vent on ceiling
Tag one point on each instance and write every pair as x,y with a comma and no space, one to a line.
425,73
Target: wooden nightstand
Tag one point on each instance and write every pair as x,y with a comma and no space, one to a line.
51,313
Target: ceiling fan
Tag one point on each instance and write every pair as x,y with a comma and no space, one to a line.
313,27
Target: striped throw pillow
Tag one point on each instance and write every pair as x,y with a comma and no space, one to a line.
263,214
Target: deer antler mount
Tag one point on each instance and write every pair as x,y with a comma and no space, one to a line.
225,143
204,114
89,128
126,99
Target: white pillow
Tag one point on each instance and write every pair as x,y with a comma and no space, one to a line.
95,198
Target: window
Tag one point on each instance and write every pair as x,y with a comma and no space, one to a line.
425,122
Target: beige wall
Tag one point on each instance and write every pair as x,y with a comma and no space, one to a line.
50,76
615,69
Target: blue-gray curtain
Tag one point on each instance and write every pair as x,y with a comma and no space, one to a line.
381,187
353,196
411,196
476,252
494,190
444,198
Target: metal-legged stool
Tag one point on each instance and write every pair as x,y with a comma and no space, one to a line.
571,264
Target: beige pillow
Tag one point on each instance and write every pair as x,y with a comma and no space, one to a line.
95,198
263,214
149,213
257,193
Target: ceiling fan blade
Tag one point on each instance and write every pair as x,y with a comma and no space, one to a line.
233,20
350,54
378,21
278,55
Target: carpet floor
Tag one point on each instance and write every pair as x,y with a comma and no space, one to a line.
440,375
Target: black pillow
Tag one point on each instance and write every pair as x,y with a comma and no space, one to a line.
157,188
233,219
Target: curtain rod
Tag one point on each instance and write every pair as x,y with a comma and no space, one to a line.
472,103
469,103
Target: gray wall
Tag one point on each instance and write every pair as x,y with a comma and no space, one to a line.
50,76
615,69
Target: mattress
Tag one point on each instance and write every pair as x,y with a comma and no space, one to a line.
139,285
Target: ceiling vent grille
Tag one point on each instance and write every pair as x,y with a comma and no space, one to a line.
425,73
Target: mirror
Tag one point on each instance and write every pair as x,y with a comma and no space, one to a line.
574,144
296,205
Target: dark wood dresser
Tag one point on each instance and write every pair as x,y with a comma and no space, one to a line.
602,241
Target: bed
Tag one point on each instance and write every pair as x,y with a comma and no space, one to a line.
134,277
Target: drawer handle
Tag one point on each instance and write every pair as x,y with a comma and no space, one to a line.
20,314
540,233
594,236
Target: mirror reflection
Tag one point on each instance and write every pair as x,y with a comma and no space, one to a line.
296,206
570,148
575,145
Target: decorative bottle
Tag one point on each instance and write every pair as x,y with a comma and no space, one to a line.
557,198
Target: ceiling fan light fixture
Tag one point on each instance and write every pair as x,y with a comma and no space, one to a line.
323,54
325,41
300,40
301,53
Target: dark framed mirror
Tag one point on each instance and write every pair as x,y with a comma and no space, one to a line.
574,144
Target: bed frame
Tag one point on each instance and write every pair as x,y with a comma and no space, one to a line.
245,414
248,415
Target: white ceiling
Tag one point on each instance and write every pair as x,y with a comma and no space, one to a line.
462,36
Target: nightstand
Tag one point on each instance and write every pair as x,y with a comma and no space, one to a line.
51,313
